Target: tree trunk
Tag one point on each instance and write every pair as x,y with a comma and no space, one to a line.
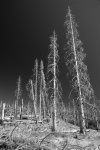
40,118
22,105
74,112
34,104
54,105
20,112
3,109
15,109
44,109
82,117
36,88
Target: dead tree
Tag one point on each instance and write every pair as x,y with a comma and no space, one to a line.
53,82
3,111
74,112
18,93
31,90
77,69
22,104
35,82
95,111
41,70
44,106
43,93
69,111
21,110
32,87
46,109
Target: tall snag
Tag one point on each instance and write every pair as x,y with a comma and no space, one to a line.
81,87
41,89
30,89
43,93
35,81
18,93
53,85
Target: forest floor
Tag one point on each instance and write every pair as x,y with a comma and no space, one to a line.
32,136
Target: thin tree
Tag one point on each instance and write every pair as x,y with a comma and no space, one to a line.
95,114
41,88
18,93
74,112
30,89
3,111
43,95
32,86
21,110
44,105
35,82
43,92
74,61
52,73
22,105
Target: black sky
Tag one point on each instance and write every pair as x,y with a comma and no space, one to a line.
25,28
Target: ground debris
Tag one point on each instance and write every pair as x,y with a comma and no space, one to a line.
39,137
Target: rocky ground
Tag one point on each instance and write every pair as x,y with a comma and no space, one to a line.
31,136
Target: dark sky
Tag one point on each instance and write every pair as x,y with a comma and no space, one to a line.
25,28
